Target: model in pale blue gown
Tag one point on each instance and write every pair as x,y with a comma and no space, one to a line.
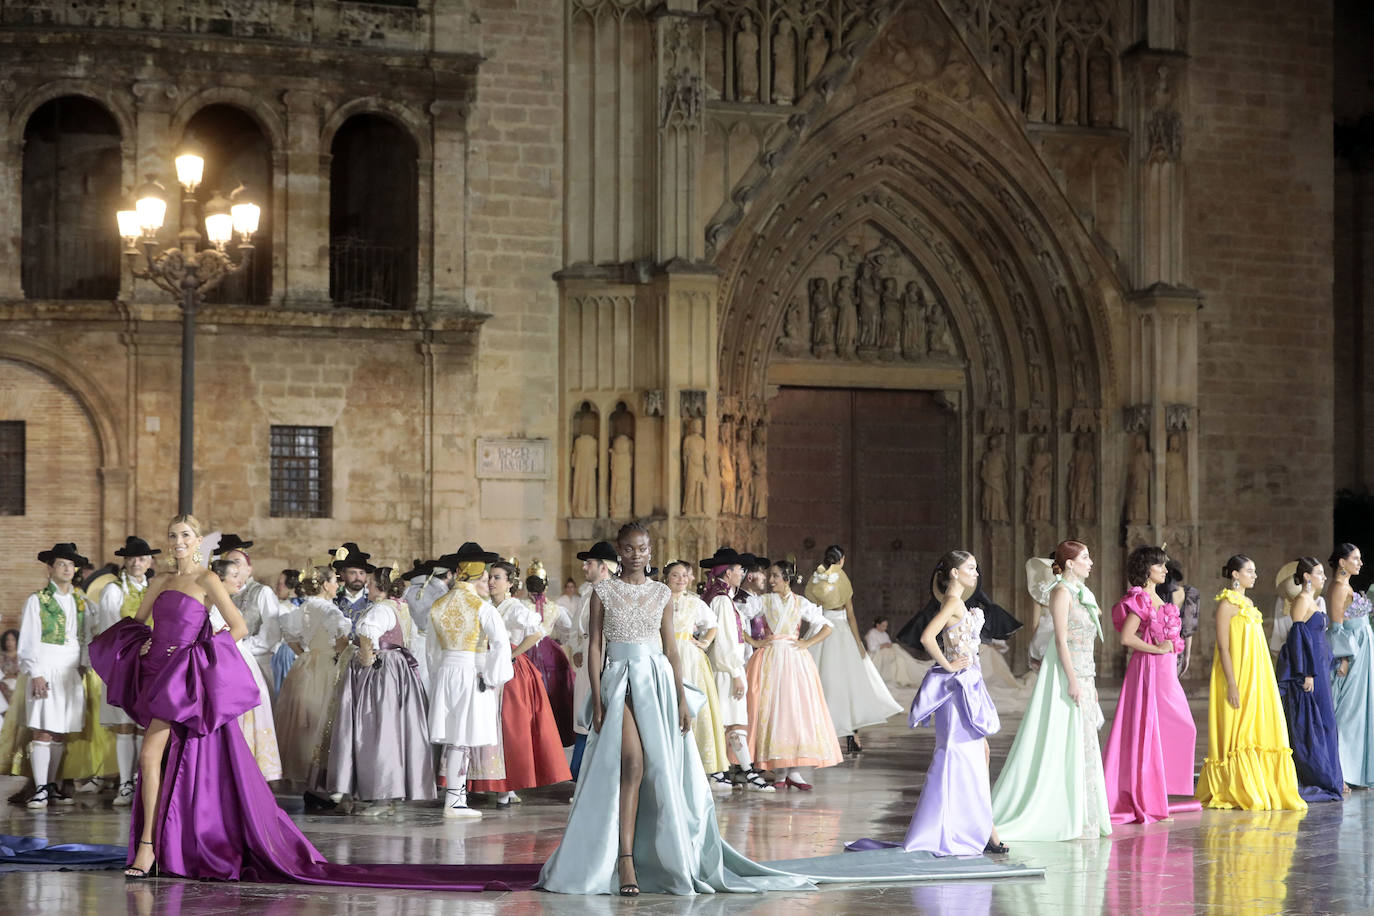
677,846
1352,640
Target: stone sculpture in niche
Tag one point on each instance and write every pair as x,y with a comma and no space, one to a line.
915,309
941,337
1034,89
846,320
1035,361
1101,111
822,318
758,456
1082,479
622,476
1138,481
890,319
868,310
992,473
1177,498
726,454
1068,85
584,467
694,469
1039,478
744,470
784,64
715,59
795,332
747,62
817,52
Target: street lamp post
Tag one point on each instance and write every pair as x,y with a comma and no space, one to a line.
187,273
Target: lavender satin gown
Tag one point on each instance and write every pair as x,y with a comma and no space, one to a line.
954,814
217,817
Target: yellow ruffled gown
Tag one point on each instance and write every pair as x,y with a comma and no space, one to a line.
1249,762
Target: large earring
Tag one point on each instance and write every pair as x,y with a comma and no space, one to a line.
1307,586
198,557
1235,583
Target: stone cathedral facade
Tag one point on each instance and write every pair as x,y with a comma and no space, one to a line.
909,274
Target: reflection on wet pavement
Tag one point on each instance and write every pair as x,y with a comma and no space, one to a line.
1211,861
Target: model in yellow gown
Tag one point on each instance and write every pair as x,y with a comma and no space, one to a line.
1249,762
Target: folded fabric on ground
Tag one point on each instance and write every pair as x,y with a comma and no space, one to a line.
32,853
898,865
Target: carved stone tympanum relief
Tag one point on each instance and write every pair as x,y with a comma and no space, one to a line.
865,299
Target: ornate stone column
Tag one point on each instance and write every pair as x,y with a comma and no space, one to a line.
679,41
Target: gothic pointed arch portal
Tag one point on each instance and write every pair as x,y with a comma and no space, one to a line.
916,240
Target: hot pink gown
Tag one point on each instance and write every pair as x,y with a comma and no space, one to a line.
1149,755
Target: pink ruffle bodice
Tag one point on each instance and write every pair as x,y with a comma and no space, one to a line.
1164,622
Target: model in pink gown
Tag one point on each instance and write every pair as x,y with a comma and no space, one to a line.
1149,755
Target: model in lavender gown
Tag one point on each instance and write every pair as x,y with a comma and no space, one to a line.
210,813
954,814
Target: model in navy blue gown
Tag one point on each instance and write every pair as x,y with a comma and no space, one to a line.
1304,676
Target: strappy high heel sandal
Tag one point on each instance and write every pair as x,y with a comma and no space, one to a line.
627,890
138,874
997,849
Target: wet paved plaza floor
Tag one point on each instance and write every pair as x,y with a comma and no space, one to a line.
1310,862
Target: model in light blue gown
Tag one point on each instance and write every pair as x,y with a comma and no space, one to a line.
678,848
1352,640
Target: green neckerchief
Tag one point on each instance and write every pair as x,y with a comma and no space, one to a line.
133,595
54,619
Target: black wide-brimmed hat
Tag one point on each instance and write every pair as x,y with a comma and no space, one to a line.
752,561
601,550
353,558
136,547
724,556
418,568
472,552
230,542
64,551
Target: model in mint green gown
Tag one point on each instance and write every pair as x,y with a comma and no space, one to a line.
1051,786
1352,693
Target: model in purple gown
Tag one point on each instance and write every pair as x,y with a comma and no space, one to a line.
954,814
217,817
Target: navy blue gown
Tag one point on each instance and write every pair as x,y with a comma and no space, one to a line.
1311,716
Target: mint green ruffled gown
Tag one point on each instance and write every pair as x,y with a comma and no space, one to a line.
1051,786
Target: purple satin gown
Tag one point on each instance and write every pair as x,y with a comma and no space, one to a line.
954,814
217,816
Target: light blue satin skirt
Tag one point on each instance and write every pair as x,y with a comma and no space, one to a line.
678,848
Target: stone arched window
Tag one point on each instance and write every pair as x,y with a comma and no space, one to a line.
373,214
71,191
237,152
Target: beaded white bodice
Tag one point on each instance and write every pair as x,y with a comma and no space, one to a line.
963,636
632,613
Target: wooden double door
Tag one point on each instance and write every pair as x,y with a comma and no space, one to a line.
874,471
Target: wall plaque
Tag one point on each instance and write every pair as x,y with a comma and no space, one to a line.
513,459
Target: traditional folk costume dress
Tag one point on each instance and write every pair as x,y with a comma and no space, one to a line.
1353,694
464,712
380,744
261,614
283,657
120,598
729,654
1312,731
692,616
1051,786
548,656
217,818
677,847
854,690
1249,764
1149,753
954,814
50,647
789,720
895,665
308,692
530,749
